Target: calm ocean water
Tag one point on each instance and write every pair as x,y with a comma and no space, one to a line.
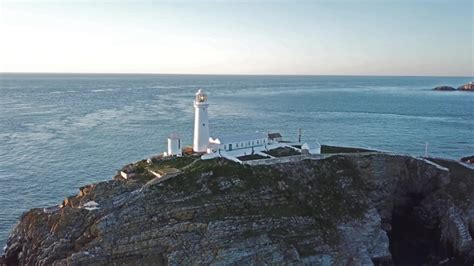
60,132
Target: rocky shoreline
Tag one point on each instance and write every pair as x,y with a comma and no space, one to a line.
466,87
358,209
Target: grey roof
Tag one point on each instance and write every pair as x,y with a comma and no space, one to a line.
274,135
241,137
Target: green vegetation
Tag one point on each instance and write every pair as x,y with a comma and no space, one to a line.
164,165
206,172
252,157
143,175
174,162
140,167
282,152
219,167
335,149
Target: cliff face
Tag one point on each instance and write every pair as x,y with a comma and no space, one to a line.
467,87
355,209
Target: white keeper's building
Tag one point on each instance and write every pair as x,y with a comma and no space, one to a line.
237,142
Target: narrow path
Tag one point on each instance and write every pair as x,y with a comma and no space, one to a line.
189,165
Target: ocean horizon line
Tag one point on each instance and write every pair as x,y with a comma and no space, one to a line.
213,74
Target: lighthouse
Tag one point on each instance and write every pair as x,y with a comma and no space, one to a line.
201,122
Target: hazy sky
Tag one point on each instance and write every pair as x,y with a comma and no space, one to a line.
392,37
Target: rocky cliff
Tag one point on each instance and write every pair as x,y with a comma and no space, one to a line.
444,88
342,210
467,87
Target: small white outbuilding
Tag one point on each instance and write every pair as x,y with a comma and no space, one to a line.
174,145
311,148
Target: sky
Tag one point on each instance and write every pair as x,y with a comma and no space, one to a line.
352,37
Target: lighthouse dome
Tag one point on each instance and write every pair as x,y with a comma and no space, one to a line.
201,96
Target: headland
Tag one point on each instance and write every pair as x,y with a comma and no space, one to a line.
338,207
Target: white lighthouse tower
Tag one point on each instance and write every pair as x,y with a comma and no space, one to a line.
201,122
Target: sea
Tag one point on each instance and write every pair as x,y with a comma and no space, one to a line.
59,132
